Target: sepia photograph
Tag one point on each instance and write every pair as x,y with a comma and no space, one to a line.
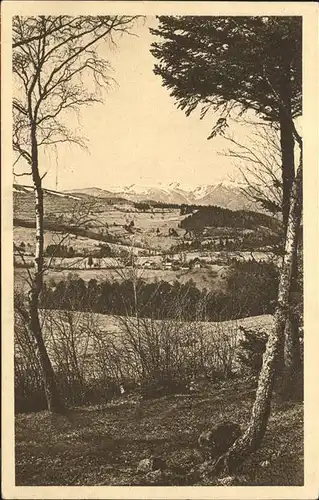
156,205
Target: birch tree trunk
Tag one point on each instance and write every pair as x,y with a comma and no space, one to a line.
291,387
48,377
250,441
287,144
290,354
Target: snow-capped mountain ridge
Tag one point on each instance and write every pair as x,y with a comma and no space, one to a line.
196,192
226,194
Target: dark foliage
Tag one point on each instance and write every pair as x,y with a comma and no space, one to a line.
220,438
151,204
222,217
162,300
251,349
104,251
238,242
215,62
151,389
254,285
32,398
59,251
28,397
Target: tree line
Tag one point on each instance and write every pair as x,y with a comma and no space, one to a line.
58,250
150,205
243,242
163,300
221,217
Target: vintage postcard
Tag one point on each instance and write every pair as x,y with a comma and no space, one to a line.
159,250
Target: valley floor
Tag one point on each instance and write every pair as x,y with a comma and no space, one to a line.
103,445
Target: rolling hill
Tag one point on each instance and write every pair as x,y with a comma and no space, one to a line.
210,217
57,203
95,192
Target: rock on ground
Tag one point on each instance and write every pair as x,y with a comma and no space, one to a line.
151,464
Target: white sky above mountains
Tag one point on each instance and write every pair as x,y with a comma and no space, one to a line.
138,136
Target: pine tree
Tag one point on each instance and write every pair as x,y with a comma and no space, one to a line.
246,63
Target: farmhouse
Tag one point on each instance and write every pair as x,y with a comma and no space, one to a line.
195,264
147,264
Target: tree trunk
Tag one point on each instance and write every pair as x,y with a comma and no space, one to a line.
291,383
48,377
290,353
287,157
253,436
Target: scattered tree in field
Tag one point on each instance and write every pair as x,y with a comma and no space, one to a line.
51,56
21,248
172,232
104,251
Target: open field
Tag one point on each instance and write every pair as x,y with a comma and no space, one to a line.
103,445
104,213
109,323
27,236
219,340
80,244
161,219
151,229
109,343
55,203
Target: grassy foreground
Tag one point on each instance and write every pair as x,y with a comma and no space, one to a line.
103,445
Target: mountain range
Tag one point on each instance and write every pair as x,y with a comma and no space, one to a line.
225,194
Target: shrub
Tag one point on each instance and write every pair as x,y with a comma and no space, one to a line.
253,288
251,348
91,363
155,388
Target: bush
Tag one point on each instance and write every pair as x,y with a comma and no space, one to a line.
251,349
151,389
253,288
29,398
71,345
59,251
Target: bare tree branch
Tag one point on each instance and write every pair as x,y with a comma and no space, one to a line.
259,165
55,59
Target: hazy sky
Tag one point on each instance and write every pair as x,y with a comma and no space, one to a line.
138,135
